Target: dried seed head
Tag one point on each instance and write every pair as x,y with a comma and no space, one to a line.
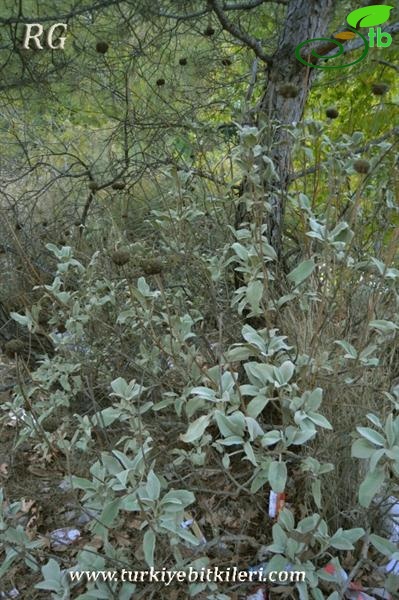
102,47
152,266
93,186
183,62
332,113
209,31
120,257
361,166
118,185
160,82
288,90
13,347
379,89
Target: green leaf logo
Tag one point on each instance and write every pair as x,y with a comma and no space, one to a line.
369,16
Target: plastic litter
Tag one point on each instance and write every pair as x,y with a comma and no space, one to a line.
14,593
331,570
15,417
392,517
276,503
190,522
60,538
393,567
260,594
68,341
186,524
65,485
257,568
390,508
381,593
355,590
378,594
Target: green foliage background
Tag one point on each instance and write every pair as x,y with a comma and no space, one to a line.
163,360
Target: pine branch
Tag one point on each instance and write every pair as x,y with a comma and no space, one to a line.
226,6
358,42
238,33
61,17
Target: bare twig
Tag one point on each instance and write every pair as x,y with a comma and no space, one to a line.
227,6
254,72
60,17
386,63
358,42
362,560
238,33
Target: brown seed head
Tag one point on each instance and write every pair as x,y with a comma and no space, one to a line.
152,266
14,347
120,257
361,166
102,47
379,89
332,113
288,90
209,31
118,185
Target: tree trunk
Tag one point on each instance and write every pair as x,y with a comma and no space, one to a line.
305,19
